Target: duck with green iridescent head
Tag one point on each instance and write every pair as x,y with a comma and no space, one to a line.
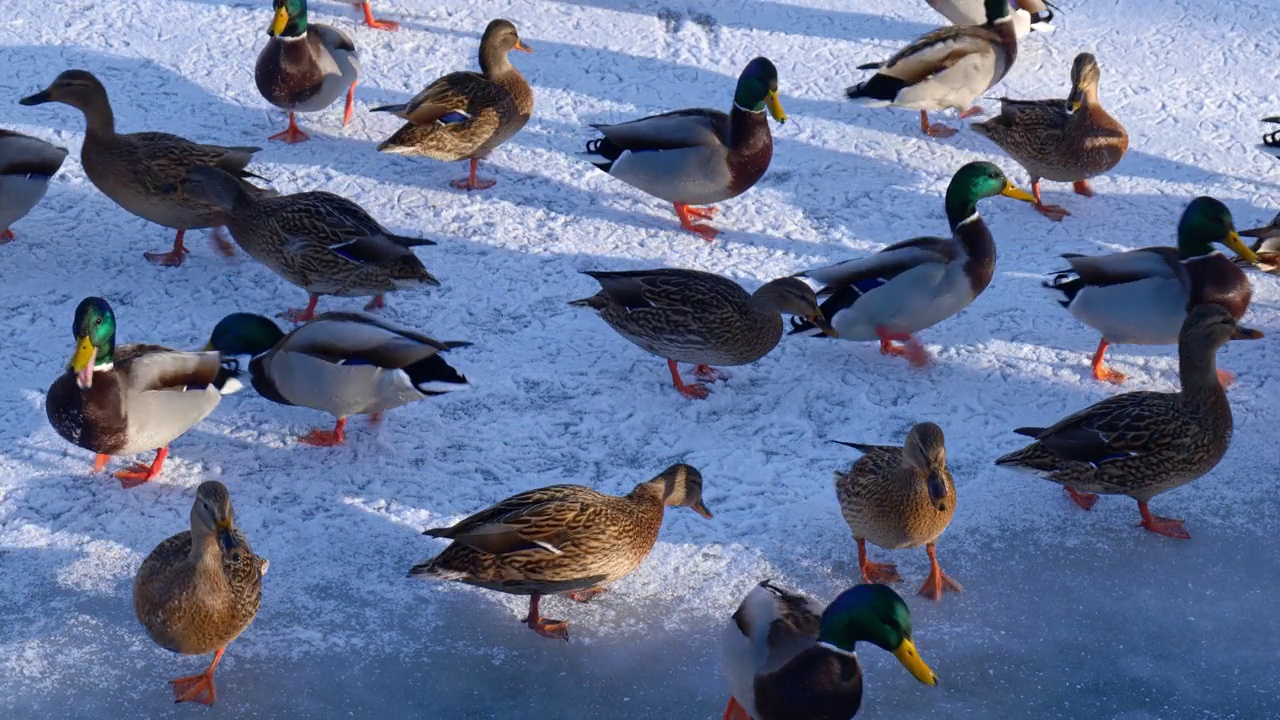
127,399
1141,297
915,284
305,67
697,156
785,656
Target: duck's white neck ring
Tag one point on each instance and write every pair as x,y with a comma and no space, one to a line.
971,218
736,106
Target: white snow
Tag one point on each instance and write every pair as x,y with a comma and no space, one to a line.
1065,614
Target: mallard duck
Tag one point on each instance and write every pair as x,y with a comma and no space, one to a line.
1272,139
321,242
786,657
917,283
341,363
900,497
1142,444
26,166
305,67
697,156
948,68
1267,247
1027,15
1141,297
133,398
198,590
697,317
368,17
561,540
1068,140
465,115
133,170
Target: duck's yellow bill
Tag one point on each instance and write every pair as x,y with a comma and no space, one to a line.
772,102
910,659
1012,191
1237,246
82,362
278,22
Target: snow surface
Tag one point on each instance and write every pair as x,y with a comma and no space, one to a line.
1065,614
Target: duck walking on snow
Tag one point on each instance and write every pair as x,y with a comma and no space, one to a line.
948,68
697,157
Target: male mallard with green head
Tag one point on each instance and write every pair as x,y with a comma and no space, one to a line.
198,590
1141,297
915,284
561,540
134,170
1068,140
701,318
305,66
900,497
786,657
129,399
948,68
698,156
26,166
466,115
1142,444
341,363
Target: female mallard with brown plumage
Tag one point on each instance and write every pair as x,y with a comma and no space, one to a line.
135,170
133,398
697,317
561,540
198,590
466,115
1140,297
1142,444
786,657
698,156
948,68
305,66
900,497
915,284
1068,140
321,242
341,363
26,166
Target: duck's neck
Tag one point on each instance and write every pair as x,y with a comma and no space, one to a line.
204,548
968,227
748,129
494,63
98,119
1004,27
1198,370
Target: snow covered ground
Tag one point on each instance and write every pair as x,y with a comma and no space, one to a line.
1065,614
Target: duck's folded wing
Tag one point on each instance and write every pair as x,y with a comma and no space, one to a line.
149,368
1128,266
341,336
532,520
451,99
884,265
1123,426
669,131
938,51
337,223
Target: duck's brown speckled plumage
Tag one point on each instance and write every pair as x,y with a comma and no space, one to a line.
697,317
597,538
497,102
197,599
1142,444
1054,142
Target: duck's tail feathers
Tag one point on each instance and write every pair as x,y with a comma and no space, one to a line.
1064,285
1031,432
880,89
227,380
434,376
396,109
405,241
429,570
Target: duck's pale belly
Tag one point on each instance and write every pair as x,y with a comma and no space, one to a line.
1144,312
18,194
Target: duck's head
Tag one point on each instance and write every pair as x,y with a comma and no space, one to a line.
244,334
77,88
1213,326
758,89
926,452
792,296
996,10
976,181
211,514
681,486
290,19
1084,79
1207,221
502,36
95,332
877,615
